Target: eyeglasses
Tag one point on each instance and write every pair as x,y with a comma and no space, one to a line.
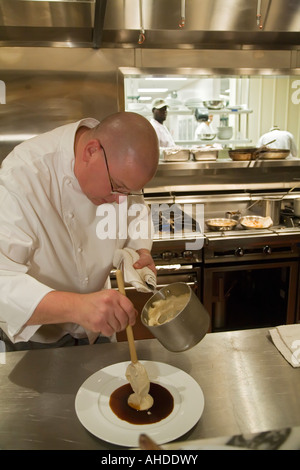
124,192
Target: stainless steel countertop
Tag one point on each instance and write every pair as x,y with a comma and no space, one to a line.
248,387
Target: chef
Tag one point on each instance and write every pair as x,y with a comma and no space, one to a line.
282,140
54,262
159,111
204,128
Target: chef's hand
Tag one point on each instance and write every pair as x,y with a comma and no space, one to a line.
106,312
145,260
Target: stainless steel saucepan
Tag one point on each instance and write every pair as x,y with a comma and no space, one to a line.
187,327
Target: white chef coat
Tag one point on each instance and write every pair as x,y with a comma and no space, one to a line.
48,238
203,128
163,134
284,140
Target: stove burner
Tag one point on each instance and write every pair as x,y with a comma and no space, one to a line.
172,220
288,218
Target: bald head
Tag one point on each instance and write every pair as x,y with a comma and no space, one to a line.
131,143
118,155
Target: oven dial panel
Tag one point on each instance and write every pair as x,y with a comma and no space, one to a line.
267,250
168,255
239,252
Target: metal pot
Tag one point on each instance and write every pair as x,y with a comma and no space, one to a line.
214,104
242,154
271,207
235,215
220,225
297,206
273,154
187,328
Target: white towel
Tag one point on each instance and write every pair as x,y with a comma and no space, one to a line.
287,340
141,279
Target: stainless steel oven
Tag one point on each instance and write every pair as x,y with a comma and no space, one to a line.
244,278
250,280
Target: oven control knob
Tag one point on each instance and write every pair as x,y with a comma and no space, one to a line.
239,252
167,255
267,250
187,254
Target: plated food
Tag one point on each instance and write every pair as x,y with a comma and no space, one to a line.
255,222
95,414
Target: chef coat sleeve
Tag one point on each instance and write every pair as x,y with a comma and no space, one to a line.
20,293
293,149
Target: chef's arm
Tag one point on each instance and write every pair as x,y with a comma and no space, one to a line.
105,311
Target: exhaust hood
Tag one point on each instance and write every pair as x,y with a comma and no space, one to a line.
197,24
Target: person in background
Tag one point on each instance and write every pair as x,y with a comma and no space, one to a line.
210,123
54,260
283,140
204,127
159,111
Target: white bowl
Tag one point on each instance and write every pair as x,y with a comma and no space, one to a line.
225,132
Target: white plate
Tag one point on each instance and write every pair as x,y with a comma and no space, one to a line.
93,410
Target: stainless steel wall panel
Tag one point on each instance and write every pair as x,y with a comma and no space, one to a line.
46,88
207,59
208,23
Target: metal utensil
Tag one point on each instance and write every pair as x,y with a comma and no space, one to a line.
146,443
221,224
256,154
264,146
269,210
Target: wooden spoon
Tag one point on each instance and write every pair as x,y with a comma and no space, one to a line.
129,332
136,372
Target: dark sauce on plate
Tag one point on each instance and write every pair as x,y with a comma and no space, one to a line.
163,405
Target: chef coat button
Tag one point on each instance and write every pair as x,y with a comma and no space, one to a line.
70,215
86,280
79,250
68,181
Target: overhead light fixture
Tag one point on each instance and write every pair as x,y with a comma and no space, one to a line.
145,98
166,78
15,137
152,90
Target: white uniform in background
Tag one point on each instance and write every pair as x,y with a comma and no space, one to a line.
283,140
203,128
164,136
48,238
